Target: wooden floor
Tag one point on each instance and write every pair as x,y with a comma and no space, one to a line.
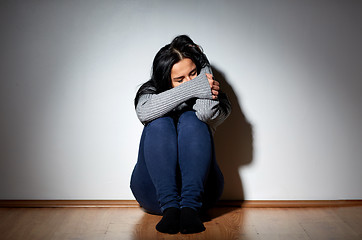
223,223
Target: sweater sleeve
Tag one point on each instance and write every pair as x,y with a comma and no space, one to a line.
213,112
152,106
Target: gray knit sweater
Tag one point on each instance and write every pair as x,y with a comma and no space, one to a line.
211,111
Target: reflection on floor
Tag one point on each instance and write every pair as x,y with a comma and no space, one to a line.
221,223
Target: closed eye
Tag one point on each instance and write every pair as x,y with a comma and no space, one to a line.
193,72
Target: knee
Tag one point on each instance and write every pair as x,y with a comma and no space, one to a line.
190,121
161,124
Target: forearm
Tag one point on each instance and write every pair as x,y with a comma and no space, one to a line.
152,106
213,112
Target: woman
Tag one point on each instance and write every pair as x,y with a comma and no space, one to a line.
176,174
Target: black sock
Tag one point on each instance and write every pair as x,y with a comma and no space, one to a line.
190,221
170,222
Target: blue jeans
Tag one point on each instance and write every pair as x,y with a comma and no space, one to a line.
176,165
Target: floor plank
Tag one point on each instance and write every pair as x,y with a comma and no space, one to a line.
221,223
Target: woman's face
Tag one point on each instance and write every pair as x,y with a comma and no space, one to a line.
183,71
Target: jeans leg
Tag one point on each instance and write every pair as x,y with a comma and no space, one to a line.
195,152
158,154
141,184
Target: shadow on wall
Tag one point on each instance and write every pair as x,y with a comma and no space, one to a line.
233,143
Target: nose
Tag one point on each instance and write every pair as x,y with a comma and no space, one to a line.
186,79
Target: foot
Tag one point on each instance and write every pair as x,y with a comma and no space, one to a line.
190,221
170,222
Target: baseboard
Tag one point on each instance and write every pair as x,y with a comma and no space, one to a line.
223,203
68,203
291,203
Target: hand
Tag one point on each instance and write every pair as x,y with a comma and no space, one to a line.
214,85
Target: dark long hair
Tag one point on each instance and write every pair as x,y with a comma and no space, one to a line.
181,47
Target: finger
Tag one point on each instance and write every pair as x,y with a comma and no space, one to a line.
216,83
214,92
210,77
210,83
214,87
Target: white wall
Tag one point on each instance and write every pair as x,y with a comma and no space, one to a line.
70,69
